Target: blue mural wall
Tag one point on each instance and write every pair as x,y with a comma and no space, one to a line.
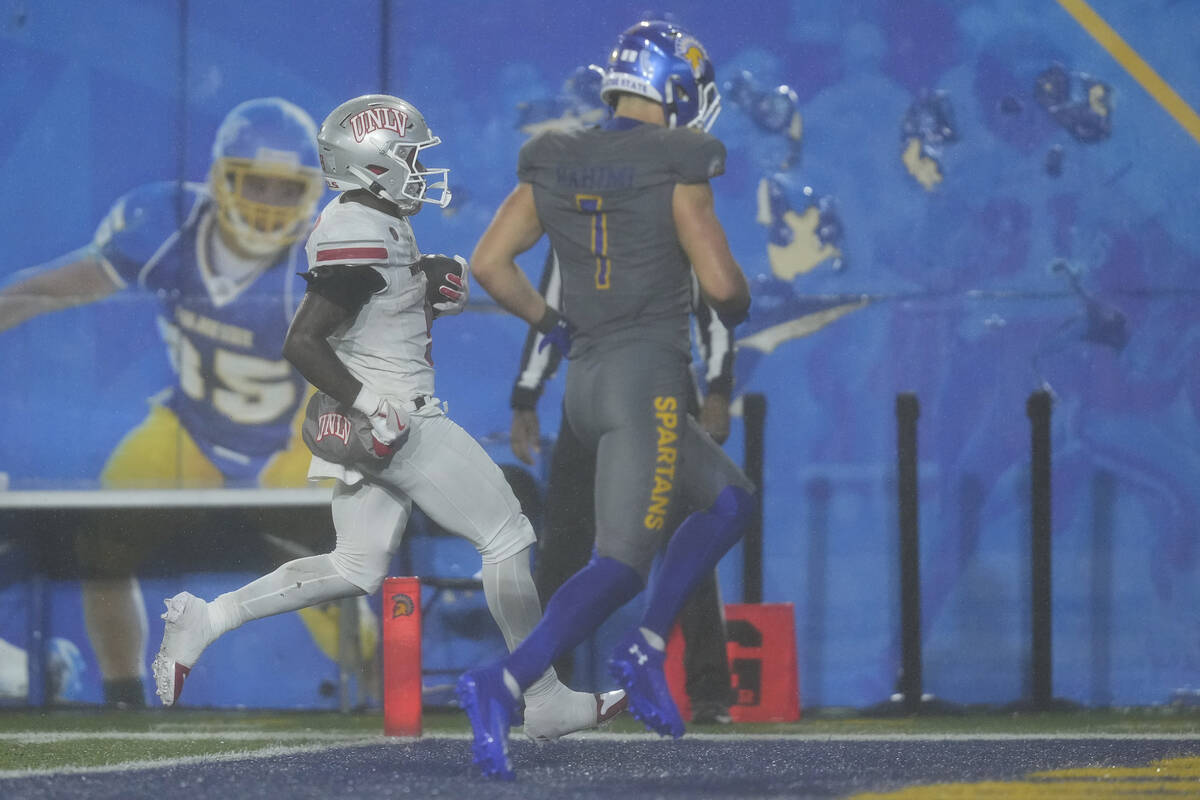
969,201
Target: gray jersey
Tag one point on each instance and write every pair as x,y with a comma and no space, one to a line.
604,197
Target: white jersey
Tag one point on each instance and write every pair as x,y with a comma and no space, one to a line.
439,467
387,345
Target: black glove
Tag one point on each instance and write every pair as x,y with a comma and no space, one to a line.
555,330
449,284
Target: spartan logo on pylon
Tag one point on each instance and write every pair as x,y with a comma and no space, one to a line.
402,605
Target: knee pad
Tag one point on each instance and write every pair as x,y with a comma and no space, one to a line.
365,569
516,535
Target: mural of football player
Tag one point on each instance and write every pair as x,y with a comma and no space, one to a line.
221,258
804,228
578,105
927,127
1077,101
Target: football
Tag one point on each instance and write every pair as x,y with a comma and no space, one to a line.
446,280
338,433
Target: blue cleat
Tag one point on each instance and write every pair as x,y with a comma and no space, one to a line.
638,667
491,708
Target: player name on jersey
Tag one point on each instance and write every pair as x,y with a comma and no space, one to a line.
598,177
220,331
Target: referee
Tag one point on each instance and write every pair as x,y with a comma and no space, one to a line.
568,534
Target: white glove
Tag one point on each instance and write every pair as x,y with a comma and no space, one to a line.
389,424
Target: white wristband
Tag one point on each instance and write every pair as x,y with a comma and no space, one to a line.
367,401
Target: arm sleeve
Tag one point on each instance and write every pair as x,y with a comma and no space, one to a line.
715,343
348,287
697,156
538,366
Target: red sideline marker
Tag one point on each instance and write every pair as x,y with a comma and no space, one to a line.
402,657
762,663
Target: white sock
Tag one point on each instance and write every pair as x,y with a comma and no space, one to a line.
545,685
513,600
297,584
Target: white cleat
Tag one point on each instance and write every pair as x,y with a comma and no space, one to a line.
185,635
576,711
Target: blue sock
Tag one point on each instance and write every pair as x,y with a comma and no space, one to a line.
693,552
573,614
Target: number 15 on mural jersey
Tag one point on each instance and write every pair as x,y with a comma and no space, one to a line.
247,389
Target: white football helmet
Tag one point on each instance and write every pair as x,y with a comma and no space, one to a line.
374,142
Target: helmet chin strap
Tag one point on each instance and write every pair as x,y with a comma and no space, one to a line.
367,181
670,109
379,191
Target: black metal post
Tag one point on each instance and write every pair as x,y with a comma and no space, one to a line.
385,45
907,412
1104,490
818,496
754,414
1038,409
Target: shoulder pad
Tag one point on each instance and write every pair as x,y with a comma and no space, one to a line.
525,161
149,210
696,156
531,153
349,233
138,223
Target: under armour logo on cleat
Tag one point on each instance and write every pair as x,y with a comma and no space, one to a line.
636,651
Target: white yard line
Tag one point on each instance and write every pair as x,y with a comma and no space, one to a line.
320,741
941,737
130,766
38,737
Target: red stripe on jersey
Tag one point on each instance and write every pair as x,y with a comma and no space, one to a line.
352,254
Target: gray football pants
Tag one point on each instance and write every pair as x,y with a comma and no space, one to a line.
630,406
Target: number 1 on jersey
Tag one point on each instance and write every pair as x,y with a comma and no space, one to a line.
591,204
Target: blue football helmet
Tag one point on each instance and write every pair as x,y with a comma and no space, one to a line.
662,62
265,176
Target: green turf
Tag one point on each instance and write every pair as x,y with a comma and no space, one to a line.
292,729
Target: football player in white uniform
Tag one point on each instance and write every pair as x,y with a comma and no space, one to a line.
362,336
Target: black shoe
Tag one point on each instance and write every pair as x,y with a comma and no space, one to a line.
711,712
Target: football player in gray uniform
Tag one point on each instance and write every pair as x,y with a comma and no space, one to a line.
363,337
629,212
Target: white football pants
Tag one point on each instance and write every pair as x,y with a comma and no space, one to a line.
448,475
444,471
